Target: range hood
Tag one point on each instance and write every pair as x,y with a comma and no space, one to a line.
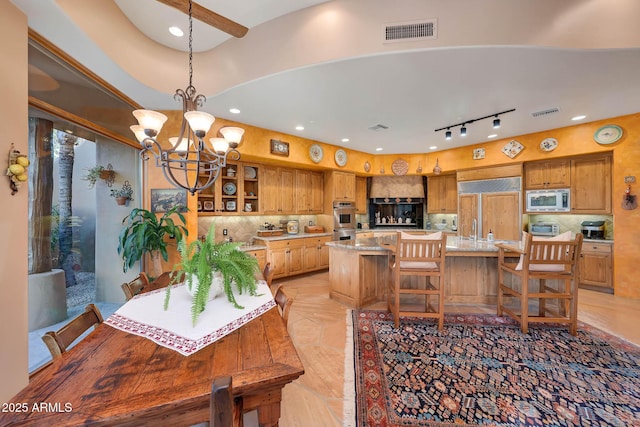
392,187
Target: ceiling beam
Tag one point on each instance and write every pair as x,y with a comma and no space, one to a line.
208,17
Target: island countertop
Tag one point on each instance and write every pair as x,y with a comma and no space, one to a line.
455,245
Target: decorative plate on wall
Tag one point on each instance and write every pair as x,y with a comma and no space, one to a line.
341,157
316,153
367,166
478,154
608,134
400,167
512,148
549,144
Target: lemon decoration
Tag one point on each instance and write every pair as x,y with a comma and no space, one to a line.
17,170
22,161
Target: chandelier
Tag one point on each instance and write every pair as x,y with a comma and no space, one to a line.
191,163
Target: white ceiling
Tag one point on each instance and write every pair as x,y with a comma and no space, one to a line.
412,90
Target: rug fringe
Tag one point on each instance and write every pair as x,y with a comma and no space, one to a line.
349,395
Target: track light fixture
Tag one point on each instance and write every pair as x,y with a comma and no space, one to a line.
463,125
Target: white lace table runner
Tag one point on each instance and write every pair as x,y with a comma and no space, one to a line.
144,315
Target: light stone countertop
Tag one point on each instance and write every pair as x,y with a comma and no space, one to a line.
454,244
286,236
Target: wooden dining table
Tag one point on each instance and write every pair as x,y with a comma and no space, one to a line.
114,378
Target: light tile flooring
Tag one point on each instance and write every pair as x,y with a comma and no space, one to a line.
317,325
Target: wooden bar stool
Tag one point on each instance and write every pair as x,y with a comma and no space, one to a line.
553,263
421,256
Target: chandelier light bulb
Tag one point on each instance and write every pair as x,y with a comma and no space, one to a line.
220,145
150,120
182,146
138,131
232,134
199,121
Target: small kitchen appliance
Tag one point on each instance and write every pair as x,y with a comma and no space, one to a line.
593,229
544,229
548,200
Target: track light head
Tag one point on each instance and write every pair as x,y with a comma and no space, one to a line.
447,135
463,130
496,122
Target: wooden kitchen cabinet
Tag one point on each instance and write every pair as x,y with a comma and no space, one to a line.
500,214
442,194
278,183
340,186
468,204
309,192
260,255
591,184
361,195
547,174
286,256
596,266
231,194
316,253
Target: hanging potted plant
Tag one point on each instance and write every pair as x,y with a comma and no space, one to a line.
100,172
210,269
144,232
123,195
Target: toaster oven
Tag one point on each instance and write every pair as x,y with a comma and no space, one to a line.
544,229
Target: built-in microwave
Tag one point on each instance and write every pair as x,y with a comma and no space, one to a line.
548,200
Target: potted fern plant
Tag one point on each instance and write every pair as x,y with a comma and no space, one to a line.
143,232
211,268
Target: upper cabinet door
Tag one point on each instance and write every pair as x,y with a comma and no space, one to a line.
591,189
548,174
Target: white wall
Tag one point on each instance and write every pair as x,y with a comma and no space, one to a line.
14,126
126,162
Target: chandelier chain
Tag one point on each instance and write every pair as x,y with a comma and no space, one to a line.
190,45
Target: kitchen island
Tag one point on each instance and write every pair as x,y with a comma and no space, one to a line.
359,270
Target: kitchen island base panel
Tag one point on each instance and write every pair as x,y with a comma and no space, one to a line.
358,278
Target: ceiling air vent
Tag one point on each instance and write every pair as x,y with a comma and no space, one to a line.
408,31
378,127
545,112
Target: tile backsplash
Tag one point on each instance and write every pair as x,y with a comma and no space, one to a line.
573,222
243,228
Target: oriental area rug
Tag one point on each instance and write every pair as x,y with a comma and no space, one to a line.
481,370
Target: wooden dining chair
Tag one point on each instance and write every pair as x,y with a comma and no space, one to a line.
552,264
417,277
135,286
58,342
267,273
284,302
225,410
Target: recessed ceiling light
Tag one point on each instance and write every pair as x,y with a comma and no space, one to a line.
345,139
379,149
299,127
578,118
234,110
176,31
433,147
493,135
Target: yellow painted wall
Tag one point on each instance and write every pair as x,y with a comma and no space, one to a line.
14,354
